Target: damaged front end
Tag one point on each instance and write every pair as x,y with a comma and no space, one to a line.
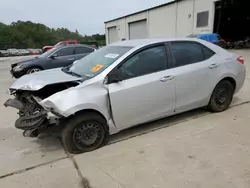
34,118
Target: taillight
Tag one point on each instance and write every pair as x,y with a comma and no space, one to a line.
241,60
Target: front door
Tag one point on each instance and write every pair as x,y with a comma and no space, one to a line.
147,90
64,57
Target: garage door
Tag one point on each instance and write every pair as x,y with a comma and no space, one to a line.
138,30
113,35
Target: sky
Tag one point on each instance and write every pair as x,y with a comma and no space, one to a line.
87,16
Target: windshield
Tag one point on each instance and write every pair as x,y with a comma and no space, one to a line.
96,62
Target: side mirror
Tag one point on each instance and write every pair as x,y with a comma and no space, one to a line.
53,56
114,76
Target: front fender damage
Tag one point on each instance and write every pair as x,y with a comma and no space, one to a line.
92,97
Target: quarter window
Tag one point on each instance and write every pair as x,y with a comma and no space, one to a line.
65,51
207,52
146,62
186,53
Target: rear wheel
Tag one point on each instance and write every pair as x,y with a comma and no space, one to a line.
222,97
34,69
84,133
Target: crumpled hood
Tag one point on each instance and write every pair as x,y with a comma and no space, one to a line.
38,80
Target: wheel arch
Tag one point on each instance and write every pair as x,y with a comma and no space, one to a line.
86,111
230,79
34,66
227,78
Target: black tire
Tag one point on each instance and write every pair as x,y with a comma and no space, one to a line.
77,133
222,97
33,69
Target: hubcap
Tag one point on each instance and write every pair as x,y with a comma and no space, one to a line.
221,97
34,70
87,134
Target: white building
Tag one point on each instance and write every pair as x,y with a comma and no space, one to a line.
178,18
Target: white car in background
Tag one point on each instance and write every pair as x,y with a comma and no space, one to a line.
125,84
23,52
13,52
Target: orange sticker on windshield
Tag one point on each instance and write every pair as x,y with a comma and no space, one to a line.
96,68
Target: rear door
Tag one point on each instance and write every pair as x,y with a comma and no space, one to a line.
64,57
81,52
147,90
197,71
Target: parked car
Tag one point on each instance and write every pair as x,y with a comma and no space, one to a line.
211,37
4,53
12,52
23,52
62,43
34,52
126,84
57,57
40,51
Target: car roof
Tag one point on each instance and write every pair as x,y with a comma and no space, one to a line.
145,42
75,45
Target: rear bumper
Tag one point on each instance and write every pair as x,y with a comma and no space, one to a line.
240,79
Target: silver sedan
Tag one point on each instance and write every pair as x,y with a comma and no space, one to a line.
126,84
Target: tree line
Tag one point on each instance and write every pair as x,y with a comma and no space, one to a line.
27,34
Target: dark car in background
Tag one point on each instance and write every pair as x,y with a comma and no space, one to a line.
57,57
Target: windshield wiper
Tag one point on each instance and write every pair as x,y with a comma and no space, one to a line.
66,70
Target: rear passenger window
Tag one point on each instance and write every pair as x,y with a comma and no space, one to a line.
83,50
65,51
207,52
186,53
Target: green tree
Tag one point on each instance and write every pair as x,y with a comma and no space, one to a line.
35,35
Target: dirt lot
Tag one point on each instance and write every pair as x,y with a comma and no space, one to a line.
195,149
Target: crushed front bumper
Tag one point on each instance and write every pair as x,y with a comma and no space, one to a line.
27,122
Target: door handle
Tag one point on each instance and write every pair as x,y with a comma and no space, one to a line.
213,66
71,59
167,78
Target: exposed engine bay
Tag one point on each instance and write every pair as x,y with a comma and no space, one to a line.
33,118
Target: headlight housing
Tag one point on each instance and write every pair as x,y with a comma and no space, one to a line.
18,68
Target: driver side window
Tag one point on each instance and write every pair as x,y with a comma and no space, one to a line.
145,62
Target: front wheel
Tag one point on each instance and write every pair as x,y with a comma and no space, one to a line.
84,133
34,69
222,97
